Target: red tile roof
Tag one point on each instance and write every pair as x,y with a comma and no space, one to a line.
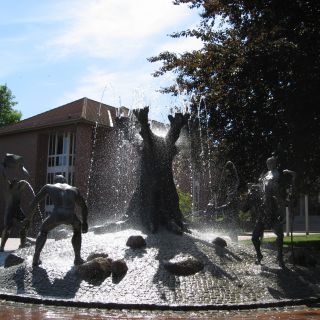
82,110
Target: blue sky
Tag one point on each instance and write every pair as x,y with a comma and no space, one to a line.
56,51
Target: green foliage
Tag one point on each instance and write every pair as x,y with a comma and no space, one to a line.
298,241
8,114
185,202
312,240
259,72
245,219
245,216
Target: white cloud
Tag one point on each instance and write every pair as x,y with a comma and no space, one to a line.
116,36
93,84
133,89
115,27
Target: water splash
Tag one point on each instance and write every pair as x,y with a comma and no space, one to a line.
95,132
138,99
34,194
230,183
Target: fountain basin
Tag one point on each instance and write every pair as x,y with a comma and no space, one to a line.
229,279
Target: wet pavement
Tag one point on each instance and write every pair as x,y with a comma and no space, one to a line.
229,281
20,311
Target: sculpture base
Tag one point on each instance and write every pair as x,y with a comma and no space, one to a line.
229,279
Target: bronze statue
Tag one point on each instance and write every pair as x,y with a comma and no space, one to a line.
269,204
12,190
64,198
155,202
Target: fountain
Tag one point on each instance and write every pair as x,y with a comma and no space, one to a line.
226,205
171,269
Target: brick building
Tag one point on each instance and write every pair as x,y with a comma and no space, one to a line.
60,141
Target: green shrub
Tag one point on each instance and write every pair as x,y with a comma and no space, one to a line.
245,220
185,202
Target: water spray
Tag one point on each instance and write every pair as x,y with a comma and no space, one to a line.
95,131
34,194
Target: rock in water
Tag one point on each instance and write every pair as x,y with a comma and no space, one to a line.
136,242
220,242
119,268
96,269
184,268
12,260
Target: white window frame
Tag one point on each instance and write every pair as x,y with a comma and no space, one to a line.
60,161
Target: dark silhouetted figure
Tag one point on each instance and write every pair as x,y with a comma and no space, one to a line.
12,190
270,208
64,198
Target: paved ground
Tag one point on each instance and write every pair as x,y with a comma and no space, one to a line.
9,311
230,278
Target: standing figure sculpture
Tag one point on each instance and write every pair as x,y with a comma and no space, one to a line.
64,198
155,201
12,190
270,207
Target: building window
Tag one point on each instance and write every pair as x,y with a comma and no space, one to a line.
61,159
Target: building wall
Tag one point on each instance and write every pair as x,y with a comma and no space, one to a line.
84,137
25,145
41,160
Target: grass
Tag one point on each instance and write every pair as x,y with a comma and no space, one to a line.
312,240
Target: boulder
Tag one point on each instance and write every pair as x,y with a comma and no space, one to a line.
136,242
185,267
12,260
96,269
220,242
119,268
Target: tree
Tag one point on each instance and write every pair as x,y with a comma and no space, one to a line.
8,114
259,73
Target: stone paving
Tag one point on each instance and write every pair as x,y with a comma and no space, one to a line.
229,279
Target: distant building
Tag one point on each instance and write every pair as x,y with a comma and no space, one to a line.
60,141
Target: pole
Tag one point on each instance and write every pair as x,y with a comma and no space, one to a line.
291,225
306,213
291,195
287,221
